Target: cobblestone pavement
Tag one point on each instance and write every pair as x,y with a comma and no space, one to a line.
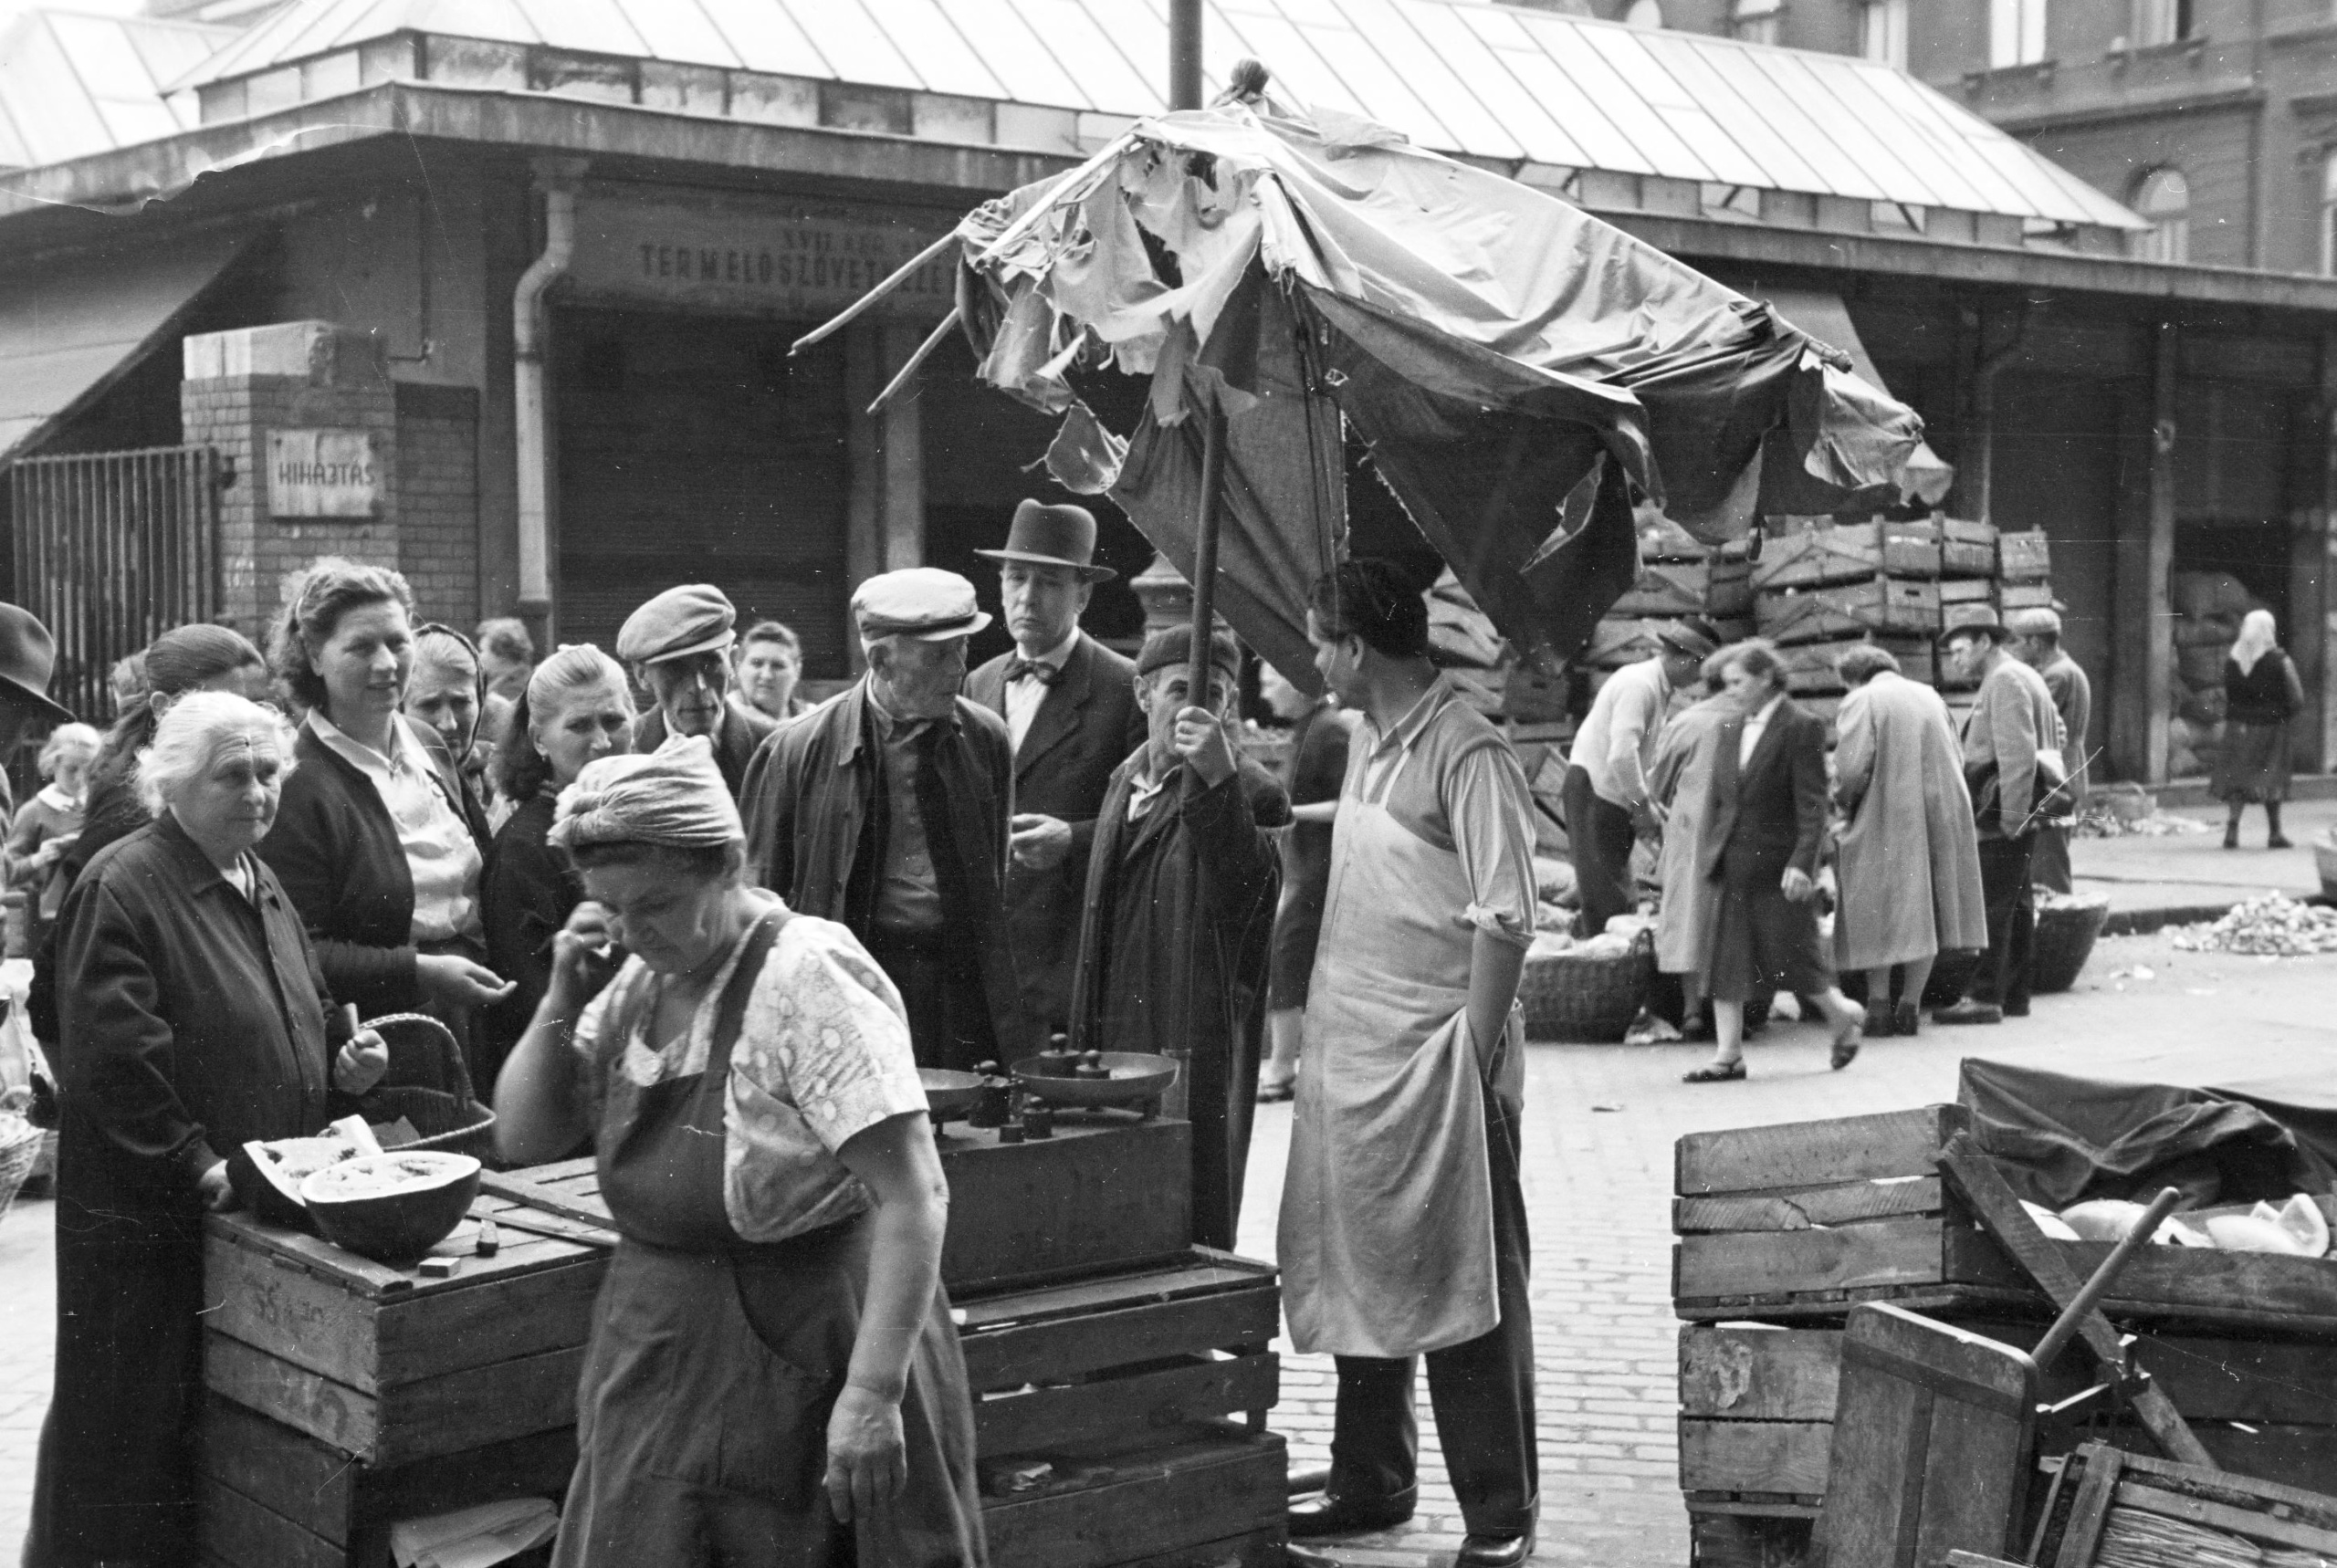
1598,1172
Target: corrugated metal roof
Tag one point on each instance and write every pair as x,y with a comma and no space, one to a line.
1483,81
72,84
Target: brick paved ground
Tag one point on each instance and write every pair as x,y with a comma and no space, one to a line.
1597,1186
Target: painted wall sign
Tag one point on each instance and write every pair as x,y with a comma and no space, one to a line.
324,473
799,263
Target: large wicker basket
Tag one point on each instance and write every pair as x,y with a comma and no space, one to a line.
1576,996
2066,930
429,1085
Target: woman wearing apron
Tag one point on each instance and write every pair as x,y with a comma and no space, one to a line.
1403,1225
772,1377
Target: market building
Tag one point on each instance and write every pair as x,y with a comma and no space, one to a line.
508,300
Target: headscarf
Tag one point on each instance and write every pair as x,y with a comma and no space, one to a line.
2257,636
674,798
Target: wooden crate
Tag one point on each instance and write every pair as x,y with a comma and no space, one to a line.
1966,548
1848,610
1209,1497
1105,1192
1131,1352
2024,557
1812,669
1918,656
1848,552
2012,596
1728,585
1672,588
2098,1489
1620,640
1660,539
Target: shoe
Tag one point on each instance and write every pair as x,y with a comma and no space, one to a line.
1274,1093
1881,1021
2278,841
2231,837
1716,1072
1493,1550
1331,1514
1846,1050
1911,1019
1968,1011
1698,1028
2017,1010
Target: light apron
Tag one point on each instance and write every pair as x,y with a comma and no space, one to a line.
714,1362
1385,1241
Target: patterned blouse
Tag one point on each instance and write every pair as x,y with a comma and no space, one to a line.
823,1053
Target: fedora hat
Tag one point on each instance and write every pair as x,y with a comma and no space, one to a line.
27,658
1042,535
1988,626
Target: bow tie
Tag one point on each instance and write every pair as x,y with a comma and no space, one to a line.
1037,670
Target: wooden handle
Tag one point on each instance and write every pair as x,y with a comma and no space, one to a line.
2065,1327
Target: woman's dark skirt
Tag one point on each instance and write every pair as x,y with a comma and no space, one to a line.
2254,767
1763,940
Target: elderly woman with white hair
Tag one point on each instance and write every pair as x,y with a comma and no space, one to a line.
772,1376
194,1016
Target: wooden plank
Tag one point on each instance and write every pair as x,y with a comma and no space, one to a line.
1817,614
430,1335
1009,1357
254,1297
2081,1528
1159,1500
1828,1306
2249,1522
2024,557
1759,1375
263,1459
1799,1208
443,1415
1264,1548
1754,1456
1777,1262
242,1533
1201,1270
2205,1285
1976,1179
1751,1504
1052,1418
1089,1198
1815,1153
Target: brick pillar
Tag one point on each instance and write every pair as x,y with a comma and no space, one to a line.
239,385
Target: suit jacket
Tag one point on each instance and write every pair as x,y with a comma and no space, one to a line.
736,740
1085,726
1770,814
814,806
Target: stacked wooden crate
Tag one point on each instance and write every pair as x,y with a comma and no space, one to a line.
1783,1229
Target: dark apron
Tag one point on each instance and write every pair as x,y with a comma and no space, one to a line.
702,1411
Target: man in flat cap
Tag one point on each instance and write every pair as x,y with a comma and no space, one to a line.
1069,707
1605,792
678,645
2039,646
885,809
1186,802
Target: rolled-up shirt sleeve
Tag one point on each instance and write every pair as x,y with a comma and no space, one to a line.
1491,815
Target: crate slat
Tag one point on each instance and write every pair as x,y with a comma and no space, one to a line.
1754,1456
1798,1208
1047,1418
1011,1356
1147,1504
1812,1154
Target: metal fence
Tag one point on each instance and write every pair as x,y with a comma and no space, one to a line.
113,548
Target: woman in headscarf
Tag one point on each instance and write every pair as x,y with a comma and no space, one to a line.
379,843
446,693
2261,695
772,1377
1677,784
196,1018
1763,826
1907,864
576,709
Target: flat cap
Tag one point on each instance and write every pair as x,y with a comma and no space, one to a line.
695,618
922,601
1174,645
1693,635
2036,623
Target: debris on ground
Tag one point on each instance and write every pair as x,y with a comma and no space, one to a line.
2100,822
2271,926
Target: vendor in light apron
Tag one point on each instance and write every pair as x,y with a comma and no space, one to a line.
772,1378
1403,1225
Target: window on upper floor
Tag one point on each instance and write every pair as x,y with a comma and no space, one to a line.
2163,196
1755,21
1644,14
2016,33
1882,32
2329,211
2162,21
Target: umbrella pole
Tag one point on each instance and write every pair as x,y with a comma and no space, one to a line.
1197,693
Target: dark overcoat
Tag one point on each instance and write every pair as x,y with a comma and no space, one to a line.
1087,723
815,810
736,740
1141,905
530,890
193,1018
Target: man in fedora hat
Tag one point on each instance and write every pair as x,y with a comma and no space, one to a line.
2012,762
1071,712
678,645
1605,792
885,809
2038,644
28,659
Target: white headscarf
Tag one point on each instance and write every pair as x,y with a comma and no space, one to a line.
674,797
2257,636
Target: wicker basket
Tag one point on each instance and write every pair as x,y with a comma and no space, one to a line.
20,1145
1575,996
2065,929
429,1085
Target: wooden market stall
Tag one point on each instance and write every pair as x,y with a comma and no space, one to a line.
1121,1375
